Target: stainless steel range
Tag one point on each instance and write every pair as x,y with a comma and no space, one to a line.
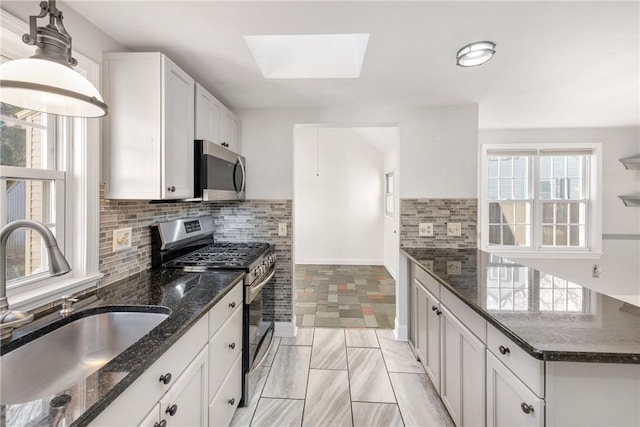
188,244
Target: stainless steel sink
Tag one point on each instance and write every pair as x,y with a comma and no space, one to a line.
72,352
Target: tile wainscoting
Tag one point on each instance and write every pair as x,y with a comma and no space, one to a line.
439,212
250,220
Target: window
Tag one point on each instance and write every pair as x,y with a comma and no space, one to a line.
389,185
542,200
49,173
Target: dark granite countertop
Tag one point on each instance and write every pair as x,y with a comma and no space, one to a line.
550,318
189,296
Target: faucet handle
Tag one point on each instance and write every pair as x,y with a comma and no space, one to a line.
67,305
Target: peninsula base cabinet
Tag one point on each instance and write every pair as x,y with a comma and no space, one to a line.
484,378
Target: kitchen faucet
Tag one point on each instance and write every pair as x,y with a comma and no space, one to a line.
58,265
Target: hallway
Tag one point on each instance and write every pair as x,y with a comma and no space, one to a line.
348,296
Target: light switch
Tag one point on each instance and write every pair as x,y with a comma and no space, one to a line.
121,239
425,229
282,229
454,229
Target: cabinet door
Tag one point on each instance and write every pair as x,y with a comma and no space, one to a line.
224,403
509,402
153,418
207,115
187,399
432,339
177,131
226,124
234,144
462,370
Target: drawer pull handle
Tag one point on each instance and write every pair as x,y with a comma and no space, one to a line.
231,401
172,189
527,409
172,410
232,304
504,350
162,423
232,345
434,308
166,378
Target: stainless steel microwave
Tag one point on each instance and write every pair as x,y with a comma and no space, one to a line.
220,174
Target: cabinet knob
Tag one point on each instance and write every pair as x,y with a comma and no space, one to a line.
161,423
231,401
172,410
527,409
232,345
172,189
504,350
225,144
434,308
166,378
232,304
438,312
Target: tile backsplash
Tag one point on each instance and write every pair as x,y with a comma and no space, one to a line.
250,220
439,212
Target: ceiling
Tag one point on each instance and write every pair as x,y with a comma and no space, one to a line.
558,64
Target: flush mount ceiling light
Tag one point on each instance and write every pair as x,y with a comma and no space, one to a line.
475,54
46,82
309,56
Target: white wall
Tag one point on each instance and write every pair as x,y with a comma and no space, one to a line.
338,199
620,264
437,148
392,224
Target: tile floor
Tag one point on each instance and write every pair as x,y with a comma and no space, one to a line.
349,296
343,377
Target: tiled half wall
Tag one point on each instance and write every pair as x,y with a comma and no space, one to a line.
439,212
250,220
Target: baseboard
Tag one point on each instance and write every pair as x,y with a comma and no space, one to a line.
284,329
340,261
401,332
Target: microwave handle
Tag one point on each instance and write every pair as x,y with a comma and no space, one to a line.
244,176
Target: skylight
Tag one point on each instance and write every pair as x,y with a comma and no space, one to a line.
313,56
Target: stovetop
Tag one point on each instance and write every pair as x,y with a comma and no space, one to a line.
222,255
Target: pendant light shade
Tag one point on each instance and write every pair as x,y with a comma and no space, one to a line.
46,82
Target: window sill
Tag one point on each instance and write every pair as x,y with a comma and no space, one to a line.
37,298
544,254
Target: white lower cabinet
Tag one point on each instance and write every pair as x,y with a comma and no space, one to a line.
224,403
509,400
427,337
463,364
185,402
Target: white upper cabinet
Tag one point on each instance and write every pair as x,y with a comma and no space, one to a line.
149,132
214,121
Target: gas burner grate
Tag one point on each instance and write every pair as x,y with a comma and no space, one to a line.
222,255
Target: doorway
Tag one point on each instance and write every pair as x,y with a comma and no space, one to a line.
345,225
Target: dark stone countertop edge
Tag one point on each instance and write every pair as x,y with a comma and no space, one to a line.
544,355
167,335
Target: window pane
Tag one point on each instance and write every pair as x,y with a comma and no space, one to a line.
492,167
492,188
520,189
506,188
547,213
561,235
522,235
23,138
28,199
522,216
495,216
506,167
520,167
561,213
494,235
575,188
545,167
508,237
545,189
547,235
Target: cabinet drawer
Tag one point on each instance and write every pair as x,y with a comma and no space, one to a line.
225,402
225,308
224,349
134,403
528,369
426,280
509,402
469,318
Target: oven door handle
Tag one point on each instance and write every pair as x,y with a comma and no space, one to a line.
253,290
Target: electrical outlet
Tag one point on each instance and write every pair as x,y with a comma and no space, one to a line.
596,270
121,239
425,229
454,268
454,229
282,229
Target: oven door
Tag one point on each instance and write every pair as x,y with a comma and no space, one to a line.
258,335
219,172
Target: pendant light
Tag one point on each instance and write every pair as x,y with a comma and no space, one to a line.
46,82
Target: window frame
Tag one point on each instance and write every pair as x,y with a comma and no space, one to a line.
389,191
593,221
80,163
